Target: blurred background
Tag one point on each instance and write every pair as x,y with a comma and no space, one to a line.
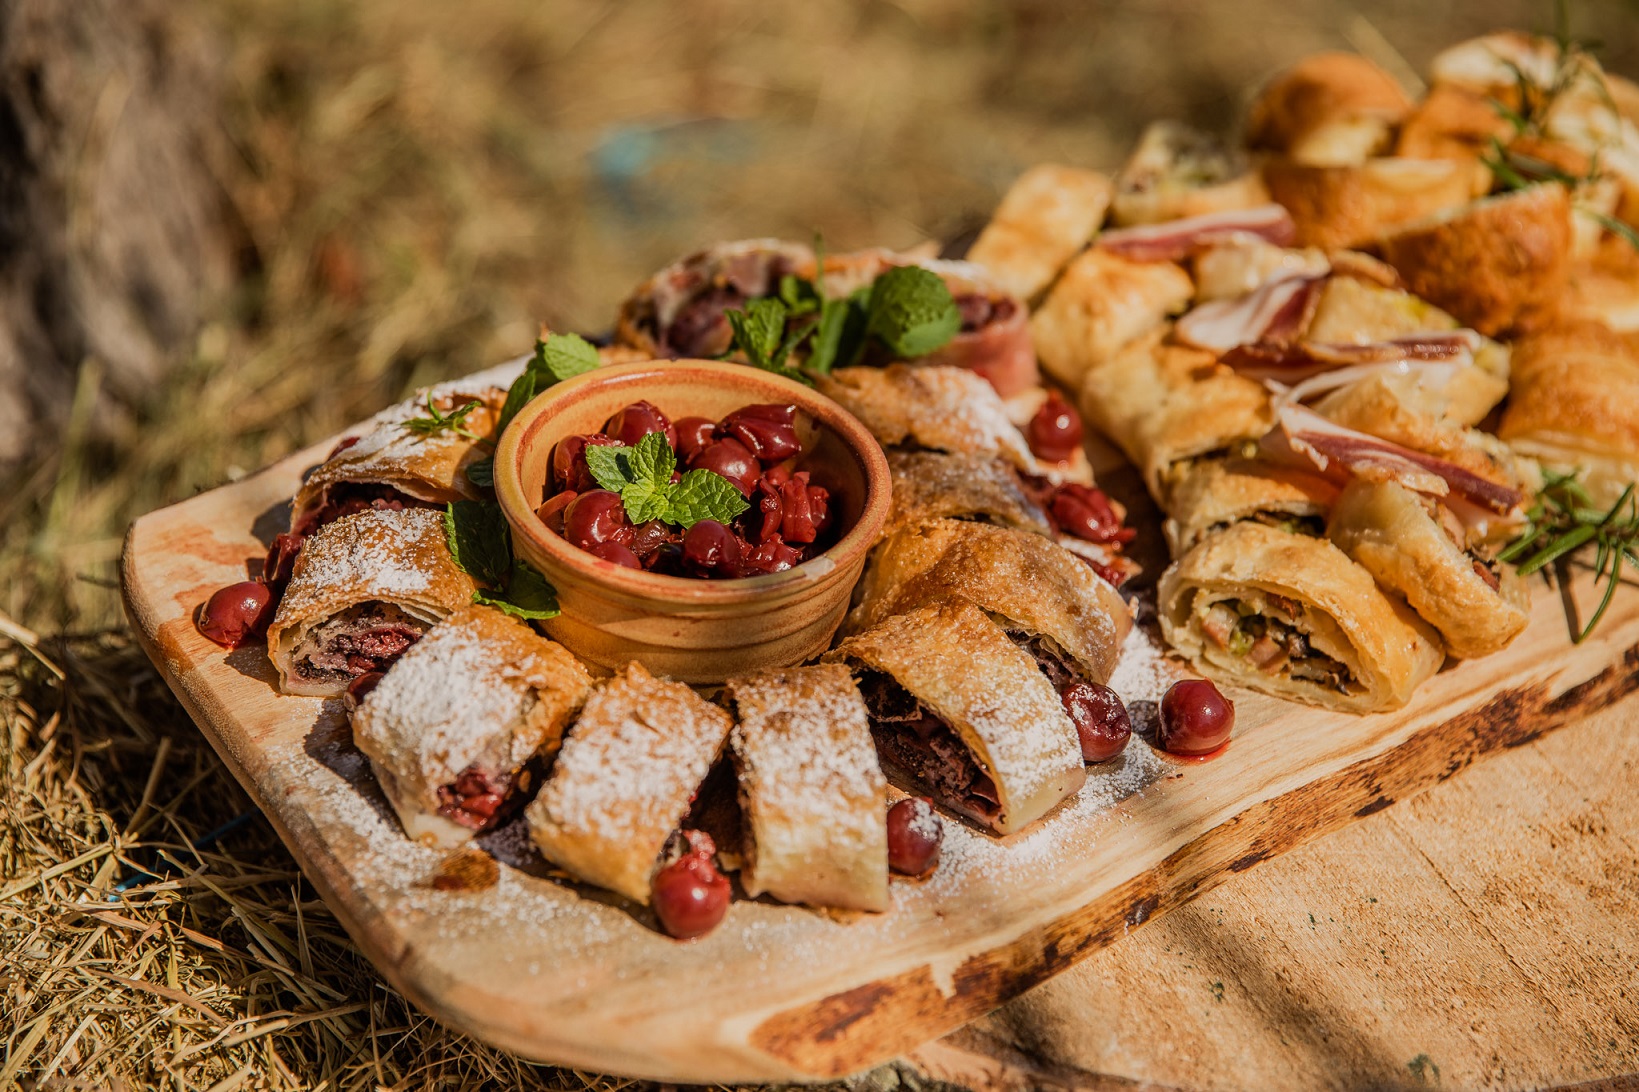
228,229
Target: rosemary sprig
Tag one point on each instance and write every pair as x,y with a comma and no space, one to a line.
1564,520
453,421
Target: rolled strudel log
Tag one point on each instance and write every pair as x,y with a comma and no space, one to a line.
1416,546
1293,616
936,408
364,589
962,713
394,465
1206,495
1049,601
812,793
457,730
1046,216
624,779
929,485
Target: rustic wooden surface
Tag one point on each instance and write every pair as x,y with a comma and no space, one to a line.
776,992
1484,933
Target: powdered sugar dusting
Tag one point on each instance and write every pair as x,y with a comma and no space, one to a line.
380,552
1144,672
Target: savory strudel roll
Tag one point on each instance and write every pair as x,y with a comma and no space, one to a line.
1049,601
1177,171
812,794
399,464
1206,495
364,589
1330,108
625,778
1349,206
457,731
1161,403
929,485
679,311
937,408
1293,616
1046,216
1102,303
1416,545
963,714
1575,405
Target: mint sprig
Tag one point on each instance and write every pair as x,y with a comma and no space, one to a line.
642,475
557,357
912,312
435,422
480,543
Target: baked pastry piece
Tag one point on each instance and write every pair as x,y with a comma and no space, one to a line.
1415,545
1235,269
1330,109
394,465
1046,216
929,485
458,730
1498,264
1177,171
678,312
1452,122
1102,303
963,714
938,408
1050,602
1206,495
812,794
1575,405
1604,288
1161,403
364,589
1352,205
1293,616
624,779
1351,309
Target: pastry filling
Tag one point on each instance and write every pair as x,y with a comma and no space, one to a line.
481,800
1309,526
1061,670
1272,642
916,741
367,637
349,498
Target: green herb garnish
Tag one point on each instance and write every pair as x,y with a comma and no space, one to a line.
912,312
557,357
1564,520
454,421
481,545
642,475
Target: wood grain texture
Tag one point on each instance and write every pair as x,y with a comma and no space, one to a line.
1484,934
540,967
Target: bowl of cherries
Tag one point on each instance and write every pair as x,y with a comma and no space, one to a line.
704,519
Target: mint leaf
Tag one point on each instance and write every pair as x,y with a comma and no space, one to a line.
564,356
838,335
799,296
653,460
912,312
517,397
704,494
481,472
479,539
758,331
526,595
610,465
435,422
644,500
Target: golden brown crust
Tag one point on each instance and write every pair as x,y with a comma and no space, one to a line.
624,779
399,558
1352,205
1389,531
1102,303
1378,409
1352,310
1047,215
942,409
1604,288
1329,108
963,667
481,689
812,795
1451,123
1161,403
1341,611
1177,171
1206,494
929,485
1499,264
1028,583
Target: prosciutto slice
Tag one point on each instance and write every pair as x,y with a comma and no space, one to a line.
1175,240
1274,313
1292,363
1302,434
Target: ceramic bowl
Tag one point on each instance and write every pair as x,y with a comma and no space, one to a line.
697,631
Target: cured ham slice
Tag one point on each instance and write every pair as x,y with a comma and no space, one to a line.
1293,363
1275,312
1303,434
1176,240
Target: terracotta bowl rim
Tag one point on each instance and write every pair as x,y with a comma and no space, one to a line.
760,386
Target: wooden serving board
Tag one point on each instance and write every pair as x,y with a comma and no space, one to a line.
517,956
